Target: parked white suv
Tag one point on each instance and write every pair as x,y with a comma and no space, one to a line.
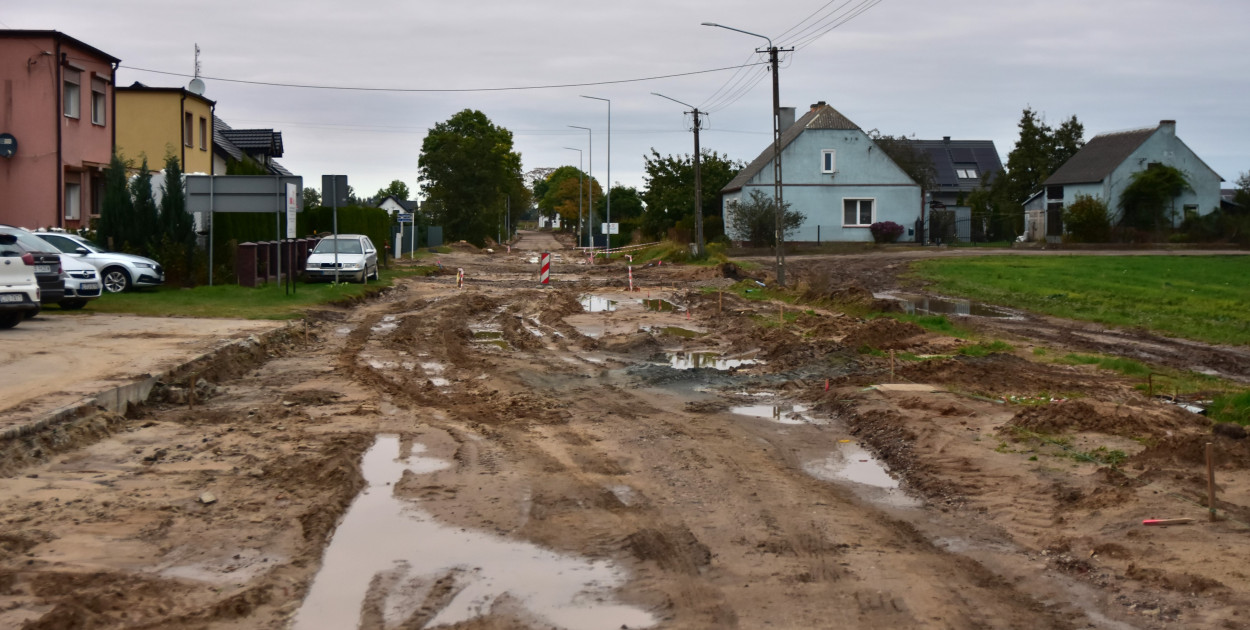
118,272
19,291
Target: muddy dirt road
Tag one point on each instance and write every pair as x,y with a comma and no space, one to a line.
508,456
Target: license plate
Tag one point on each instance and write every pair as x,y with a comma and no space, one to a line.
12,297
43,268
88,286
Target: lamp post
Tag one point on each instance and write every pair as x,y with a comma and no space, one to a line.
698,177
590,202
777,196
579,192
607,237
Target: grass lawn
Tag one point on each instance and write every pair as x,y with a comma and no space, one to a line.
269,301
1195,297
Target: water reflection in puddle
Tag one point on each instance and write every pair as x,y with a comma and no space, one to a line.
439,381
851,462
381,536
711,360
671,330
596,304
782,413
658,305
387,325
924,305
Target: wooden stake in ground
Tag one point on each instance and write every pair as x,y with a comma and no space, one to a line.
1150,385
191,392
1211,481
891,366
720,301
782,310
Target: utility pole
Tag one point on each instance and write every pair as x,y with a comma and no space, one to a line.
777,184
698,176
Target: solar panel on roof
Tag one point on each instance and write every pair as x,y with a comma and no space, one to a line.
959,154
987,159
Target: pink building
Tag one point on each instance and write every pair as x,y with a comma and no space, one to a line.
56,128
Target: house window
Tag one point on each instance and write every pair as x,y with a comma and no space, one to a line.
828,161
186,128
72,89
857,212
97,101
203,133
966,171
73,201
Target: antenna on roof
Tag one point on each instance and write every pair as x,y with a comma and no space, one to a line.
196,86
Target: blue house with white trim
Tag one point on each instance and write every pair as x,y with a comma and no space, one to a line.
1105,166
835,175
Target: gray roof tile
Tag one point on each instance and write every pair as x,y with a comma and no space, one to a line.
1101,155
824,117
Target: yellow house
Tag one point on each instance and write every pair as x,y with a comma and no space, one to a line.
155,122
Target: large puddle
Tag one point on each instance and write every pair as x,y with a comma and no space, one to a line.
852,463
393,546
782,413
710,360
596,304
925,305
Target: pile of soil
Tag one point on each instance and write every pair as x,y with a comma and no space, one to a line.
1101,417
1190,450
883,333
465,246
997,375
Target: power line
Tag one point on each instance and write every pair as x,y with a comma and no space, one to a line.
432,90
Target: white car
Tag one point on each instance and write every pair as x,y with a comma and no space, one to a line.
82,283
19,291
356,257
118,272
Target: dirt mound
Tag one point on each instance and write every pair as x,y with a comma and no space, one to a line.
638,344
674,549
559,305
1100,417
997,375
883,333
1190,450
465,246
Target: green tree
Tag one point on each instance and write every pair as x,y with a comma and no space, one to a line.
144,235
1086,220
1148,202
1242,198
626,205
469,170
914,161
312,198
669,193
755,219
116,207
396,189
176,222
557,194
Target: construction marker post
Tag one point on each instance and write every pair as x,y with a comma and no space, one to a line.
544,271
459,278
631,272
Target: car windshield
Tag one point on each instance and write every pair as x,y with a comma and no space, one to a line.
71,246
345,246
30,242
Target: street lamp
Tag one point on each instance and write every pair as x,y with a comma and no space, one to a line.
579,192
607,238
698,177
590,203
777,197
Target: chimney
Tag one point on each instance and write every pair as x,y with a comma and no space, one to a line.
817,105
1168,127
946,139
786,117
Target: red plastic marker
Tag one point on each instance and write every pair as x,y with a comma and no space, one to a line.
1161,522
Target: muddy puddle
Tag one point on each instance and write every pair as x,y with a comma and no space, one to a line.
855,467
709,360
392,556
659,306
927,305
597,304
782,413
388,324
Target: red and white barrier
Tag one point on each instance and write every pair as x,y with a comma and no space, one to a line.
544,274
459,278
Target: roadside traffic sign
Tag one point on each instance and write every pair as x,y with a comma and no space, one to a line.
404,217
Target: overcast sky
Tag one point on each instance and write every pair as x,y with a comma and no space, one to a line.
964,69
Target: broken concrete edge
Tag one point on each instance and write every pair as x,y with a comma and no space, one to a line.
119,399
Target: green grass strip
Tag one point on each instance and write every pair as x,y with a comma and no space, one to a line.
1195,297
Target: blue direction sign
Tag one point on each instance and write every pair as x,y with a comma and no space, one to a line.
404,217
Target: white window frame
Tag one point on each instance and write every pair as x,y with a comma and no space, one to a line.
99,101
72,93
73,201
967,171
829,161
872,213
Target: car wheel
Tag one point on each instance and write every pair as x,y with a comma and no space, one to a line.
72,305
115,280
375,273
10,319
33,313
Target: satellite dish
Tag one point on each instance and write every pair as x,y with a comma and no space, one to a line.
196,86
